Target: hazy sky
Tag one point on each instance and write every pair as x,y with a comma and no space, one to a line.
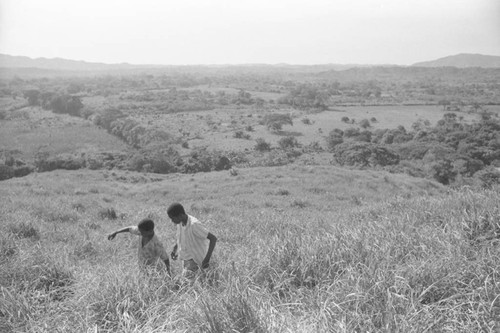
255,31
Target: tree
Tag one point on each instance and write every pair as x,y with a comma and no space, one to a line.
363,154
365,123
32,95
444,103
66,104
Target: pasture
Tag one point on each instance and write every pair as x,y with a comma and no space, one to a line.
301,249
28,131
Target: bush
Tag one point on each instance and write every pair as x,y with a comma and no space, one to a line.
288,142
107,213
442,171
364,123
6,172
262,145
333,139
23,230
241,135
274,122
351,132
8,248
488,177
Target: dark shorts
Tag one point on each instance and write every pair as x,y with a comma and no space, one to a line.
190,265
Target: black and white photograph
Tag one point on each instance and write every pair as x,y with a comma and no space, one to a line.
257,166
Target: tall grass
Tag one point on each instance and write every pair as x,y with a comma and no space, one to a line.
396,261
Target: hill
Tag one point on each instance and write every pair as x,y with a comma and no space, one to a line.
300,249
463,60
58,64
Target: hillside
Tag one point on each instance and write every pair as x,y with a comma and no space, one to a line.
463,61
300,249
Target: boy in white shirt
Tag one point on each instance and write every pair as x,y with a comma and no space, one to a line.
195,243
151,250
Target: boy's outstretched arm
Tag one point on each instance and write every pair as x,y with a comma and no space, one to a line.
112,235
213,240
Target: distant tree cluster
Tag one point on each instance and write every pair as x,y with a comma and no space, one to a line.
58,103
452,151
307,96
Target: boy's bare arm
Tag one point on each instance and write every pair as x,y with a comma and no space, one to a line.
112,235
173,254
213,240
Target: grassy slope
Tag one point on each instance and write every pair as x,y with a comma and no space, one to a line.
300,249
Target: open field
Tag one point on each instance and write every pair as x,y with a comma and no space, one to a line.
31,130
301,249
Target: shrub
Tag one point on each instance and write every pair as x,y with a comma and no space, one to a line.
262,145
6,172
8,248
107,213
333,139
274,122
488,177
241,135
24,230
283,192
351,132
288,142
364,123
442,171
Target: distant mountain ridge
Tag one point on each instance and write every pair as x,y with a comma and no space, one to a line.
8,61
463,60
22,63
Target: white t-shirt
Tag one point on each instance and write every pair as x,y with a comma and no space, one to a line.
192,240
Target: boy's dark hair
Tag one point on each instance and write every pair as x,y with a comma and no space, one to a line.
175,209
146,225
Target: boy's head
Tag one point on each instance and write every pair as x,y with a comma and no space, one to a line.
146,227
177,213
